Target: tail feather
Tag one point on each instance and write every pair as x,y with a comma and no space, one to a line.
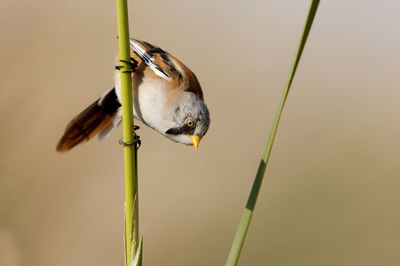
94,119
106,132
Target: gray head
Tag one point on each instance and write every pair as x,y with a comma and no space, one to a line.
192,120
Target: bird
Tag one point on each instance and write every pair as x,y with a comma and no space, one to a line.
167,97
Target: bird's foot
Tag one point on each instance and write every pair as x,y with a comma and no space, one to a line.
137,142
132,63
136,139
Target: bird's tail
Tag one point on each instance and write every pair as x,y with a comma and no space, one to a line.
100,116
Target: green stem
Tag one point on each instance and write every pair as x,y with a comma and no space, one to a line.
130,153
251,202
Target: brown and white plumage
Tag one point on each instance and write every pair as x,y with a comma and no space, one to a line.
166,96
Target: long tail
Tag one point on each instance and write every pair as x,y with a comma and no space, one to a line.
100,116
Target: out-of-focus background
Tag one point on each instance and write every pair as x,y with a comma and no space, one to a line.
331,193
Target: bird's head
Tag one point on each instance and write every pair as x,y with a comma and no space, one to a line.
191,118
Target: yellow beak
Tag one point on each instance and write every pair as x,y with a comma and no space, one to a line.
195,140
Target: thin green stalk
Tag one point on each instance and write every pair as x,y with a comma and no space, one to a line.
130,153
251,202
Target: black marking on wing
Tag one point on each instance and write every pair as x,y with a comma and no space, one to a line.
147,58
143,53
152,51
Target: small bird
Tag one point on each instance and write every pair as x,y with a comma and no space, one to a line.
166,97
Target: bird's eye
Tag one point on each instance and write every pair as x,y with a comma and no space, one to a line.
190,123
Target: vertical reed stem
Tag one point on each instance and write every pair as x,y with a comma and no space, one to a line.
251,202
130,153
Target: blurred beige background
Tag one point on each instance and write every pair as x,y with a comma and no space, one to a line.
330,196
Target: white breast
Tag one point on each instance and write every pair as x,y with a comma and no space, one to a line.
149,96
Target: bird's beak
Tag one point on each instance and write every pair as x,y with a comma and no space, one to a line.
195,140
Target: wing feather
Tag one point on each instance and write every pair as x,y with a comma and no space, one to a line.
148,58
166,66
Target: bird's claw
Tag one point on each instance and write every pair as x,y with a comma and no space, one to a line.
129,71
132,63
136,141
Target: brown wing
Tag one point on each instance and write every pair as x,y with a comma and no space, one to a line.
166,66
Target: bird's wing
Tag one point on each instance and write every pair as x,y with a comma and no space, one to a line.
166,66
154,57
